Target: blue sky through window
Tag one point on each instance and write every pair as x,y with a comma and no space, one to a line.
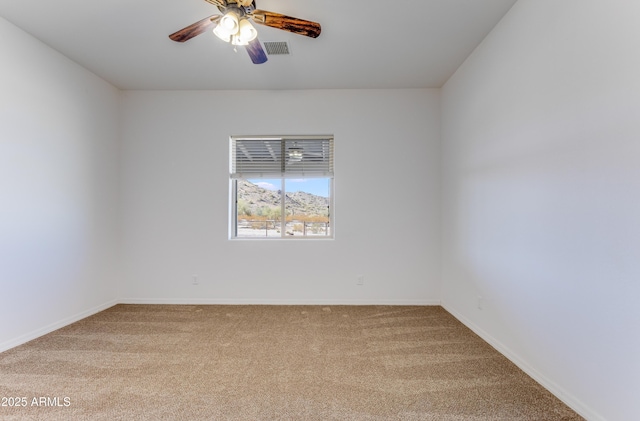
317,186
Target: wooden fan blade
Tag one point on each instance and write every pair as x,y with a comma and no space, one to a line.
287,23
195,29
256,52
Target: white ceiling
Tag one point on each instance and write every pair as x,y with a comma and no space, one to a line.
364,44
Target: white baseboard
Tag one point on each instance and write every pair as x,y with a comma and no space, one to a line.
239,301
566,397
12,343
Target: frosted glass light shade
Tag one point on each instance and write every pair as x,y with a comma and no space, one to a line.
228,26
247,31
230,22
221,33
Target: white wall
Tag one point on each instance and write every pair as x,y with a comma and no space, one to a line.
176,208
58,186
540,180
541,197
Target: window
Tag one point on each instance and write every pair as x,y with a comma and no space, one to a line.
281,187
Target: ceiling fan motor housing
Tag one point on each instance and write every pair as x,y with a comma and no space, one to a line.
242,10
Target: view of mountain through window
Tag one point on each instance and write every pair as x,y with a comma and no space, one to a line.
260,206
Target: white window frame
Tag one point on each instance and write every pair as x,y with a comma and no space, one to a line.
281,165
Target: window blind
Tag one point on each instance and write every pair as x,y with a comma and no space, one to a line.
287,156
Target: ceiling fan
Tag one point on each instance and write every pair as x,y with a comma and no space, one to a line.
233,26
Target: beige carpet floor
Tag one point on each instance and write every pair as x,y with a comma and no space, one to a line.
165,362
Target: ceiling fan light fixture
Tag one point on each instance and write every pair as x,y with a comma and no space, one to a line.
222,34
228,26
247,32
230,22
237,40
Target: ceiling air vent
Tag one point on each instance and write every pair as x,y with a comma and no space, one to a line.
277,48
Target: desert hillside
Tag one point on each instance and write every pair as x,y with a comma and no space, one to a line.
254,200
